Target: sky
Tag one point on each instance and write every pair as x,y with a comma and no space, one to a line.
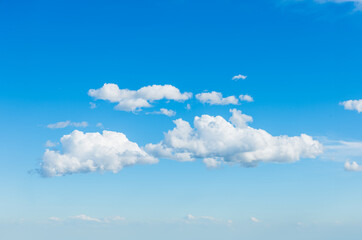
178,119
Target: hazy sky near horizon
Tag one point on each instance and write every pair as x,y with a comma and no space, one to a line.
181,119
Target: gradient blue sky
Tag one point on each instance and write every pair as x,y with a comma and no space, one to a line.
301,58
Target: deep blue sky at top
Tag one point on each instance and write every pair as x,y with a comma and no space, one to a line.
301,59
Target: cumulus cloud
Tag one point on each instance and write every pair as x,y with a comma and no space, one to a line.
135,100
352,166
216,98
91,152
238,77
84,217
67,124
355,105
246,98
231,141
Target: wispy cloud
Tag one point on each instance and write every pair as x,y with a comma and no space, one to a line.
238,77
67,124
84,217
254,219
164,111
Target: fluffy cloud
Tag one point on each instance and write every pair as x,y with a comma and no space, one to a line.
246,98
353,105
91,152
131,100
216,98
354,167
67,124
231,141
237,77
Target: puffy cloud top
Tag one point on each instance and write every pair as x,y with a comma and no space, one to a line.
214,138
90,152
130,100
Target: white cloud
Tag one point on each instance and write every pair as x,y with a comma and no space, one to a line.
50,144
188,106
67,124
254,219
342,150
205,220
238,77
246,98
91,152
92,105
231,141
130,100
211,162
354,167
164,111
216,98
100,125
83,217
353,105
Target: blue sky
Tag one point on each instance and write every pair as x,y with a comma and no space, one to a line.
217,176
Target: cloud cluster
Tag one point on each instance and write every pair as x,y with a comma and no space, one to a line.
215,139
216,98
353,105
67,124
131,100
91,152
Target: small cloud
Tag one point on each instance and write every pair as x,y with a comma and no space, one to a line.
229,221
55,219
92,105
238,77
67,124
353,167
355,105
216,98
50,144
254,219
246,98
188,106
100,125
86,218
164,111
